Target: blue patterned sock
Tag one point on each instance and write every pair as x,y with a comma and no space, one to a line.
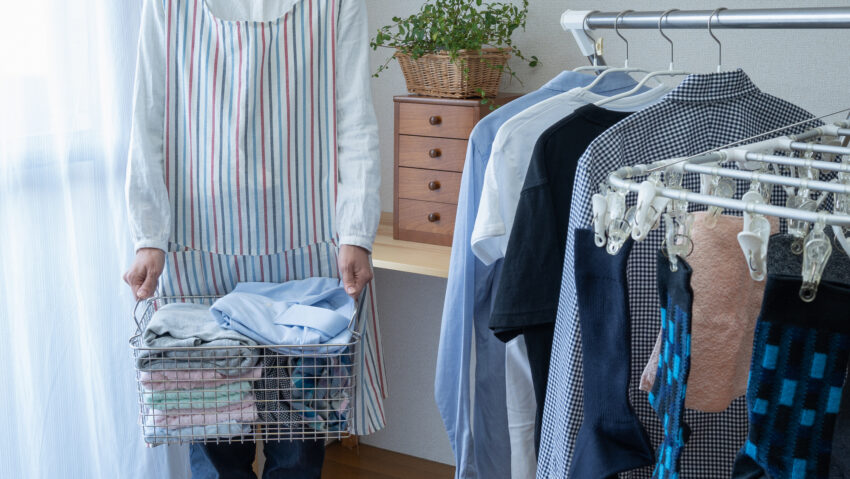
668,393
800,355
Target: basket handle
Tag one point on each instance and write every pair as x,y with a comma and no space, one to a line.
135,315
358,308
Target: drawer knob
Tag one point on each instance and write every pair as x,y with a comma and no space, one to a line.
435,120
435,153
434,185
434,217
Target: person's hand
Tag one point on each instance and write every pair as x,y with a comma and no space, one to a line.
145,271
354,268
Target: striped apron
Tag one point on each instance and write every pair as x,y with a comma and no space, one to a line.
251,162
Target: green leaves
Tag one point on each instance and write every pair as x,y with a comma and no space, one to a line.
455,25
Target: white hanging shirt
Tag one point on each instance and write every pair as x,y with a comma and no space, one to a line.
511,154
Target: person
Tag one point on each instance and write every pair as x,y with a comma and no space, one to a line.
254,157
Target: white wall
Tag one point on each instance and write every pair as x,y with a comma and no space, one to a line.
807,67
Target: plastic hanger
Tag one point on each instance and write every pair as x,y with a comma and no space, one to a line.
669,72
595,67
626,68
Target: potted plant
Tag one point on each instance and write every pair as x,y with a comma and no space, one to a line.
455,48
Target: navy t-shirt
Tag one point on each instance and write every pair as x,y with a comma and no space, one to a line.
527,294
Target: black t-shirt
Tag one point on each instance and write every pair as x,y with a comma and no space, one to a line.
528,291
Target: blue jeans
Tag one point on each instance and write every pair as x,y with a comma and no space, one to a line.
284,459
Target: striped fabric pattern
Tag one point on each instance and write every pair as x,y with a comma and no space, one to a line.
250,146
251,162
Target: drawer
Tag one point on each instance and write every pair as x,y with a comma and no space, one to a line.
435,120
426,221
428,185
431,153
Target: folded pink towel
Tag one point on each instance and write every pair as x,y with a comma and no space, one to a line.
726,305
192,379
244,411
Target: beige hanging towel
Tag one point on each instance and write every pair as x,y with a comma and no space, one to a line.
726,305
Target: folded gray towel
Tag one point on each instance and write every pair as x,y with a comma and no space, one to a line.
180,325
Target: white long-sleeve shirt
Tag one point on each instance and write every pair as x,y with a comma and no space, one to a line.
358,201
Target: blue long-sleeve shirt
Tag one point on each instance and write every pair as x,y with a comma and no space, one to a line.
468,301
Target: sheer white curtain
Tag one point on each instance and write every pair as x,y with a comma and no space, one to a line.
68,406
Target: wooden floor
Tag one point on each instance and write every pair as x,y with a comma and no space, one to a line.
368,462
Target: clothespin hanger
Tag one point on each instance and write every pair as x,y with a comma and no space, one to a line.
619,227
650,205
719,45
723,188
669,72
755,237
816,254
798,228
677,222
599,202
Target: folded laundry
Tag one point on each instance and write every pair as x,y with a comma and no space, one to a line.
320,390
305,312
158,435
244,411
312,391
176,326
170,380
198,398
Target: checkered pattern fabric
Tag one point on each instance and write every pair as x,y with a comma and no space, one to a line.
704,112
273,391
674,364
796,379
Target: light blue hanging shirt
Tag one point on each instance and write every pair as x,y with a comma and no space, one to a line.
468,301
304,312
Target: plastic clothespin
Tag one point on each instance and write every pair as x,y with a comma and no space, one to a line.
673,178
619,228
755,237
650,205
600,218
816,253
723,188
797,228
841,238
677,237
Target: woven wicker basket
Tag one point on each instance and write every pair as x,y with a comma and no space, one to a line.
435,74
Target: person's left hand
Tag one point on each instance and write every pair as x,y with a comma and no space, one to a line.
354,268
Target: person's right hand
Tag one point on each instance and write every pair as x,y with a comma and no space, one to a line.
145,271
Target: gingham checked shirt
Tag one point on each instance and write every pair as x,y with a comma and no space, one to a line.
704,112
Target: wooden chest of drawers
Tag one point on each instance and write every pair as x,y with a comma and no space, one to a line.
431,135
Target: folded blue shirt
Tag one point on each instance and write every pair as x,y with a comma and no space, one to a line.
305,312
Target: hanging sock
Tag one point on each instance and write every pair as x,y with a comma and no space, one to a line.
800,356
668,392
611,438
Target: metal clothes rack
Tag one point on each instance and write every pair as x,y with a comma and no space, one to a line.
575,21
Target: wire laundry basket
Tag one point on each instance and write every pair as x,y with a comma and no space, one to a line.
213,394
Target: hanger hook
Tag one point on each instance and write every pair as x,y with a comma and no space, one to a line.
719,45
584,24
587,33
617,31
660,21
